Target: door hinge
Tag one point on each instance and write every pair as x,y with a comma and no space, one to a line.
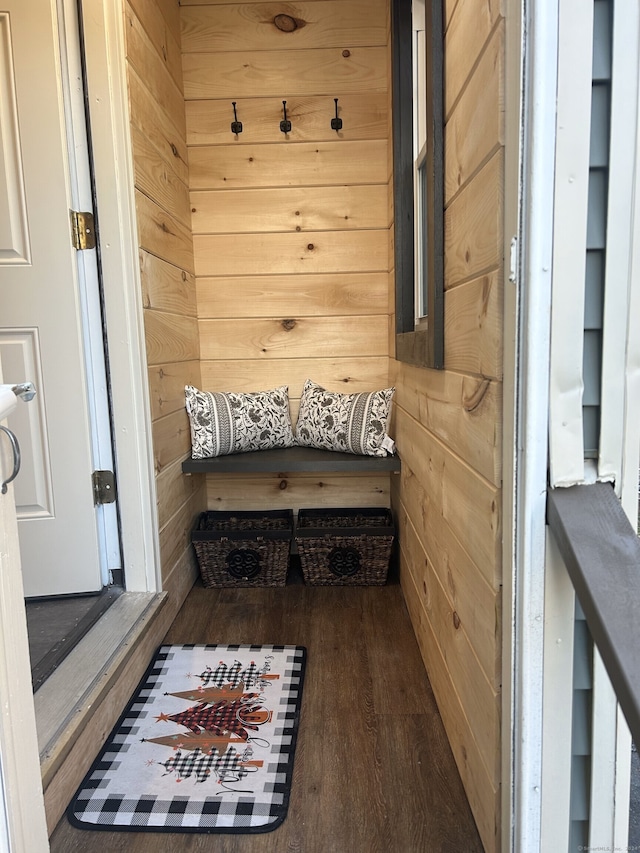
83,235
104,487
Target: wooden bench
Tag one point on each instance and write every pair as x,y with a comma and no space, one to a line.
292,460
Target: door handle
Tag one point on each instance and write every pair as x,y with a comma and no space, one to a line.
16,458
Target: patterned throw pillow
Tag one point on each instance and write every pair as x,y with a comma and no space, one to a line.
353,423
232,423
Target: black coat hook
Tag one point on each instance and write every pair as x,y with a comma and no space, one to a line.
236,126
285,124
336,123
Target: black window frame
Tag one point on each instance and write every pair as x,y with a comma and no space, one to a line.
420,346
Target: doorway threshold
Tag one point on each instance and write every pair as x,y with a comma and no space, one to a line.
56,625
76,690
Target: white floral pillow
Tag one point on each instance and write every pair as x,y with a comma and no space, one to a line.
223,423
353,423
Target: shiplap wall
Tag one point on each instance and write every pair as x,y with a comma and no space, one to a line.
290,232
448,424
158,137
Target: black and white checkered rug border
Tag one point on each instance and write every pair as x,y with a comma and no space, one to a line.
98,805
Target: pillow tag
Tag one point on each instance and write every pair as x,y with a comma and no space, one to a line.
388,444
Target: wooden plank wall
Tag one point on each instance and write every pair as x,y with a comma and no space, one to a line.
266,259
158,136
448,424
290,231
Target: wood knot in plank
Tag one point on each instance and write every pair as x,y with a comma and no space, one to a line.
471,401
282,485
287,23
287,325
456,620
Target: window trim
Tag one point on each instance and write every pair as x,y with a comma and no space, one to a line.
421,203
418,345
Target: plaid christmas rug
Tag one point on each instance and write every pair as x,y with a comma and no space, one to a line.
206,744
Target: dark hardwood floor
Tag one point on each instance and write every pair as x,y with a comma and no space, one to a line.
373,769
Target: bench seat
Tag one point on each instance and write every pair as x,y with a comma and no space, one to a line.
290,460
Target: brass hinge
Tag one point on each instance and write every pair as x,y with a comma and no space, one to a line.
104,487
83,235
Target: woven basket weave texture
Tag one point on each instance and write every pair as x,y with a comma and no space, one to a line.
243,548
343,547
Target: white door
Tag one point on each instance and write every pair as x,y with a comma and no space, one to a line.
22,816
41,335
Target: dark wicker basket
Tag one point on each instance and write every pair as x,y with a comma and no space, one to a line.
345,546
244,548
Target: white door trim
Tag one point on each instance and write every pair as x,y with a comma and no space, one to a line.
88,283
513,97
103,24
525,446
573,122
557,719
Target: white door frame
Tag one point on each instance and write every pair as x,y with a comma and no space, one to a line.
103,26
530,160
88,283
